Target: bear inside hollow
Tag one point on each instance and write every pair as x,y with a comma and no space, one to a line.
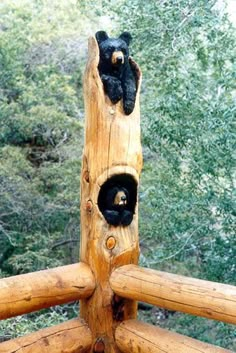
116,210
117,199
117,75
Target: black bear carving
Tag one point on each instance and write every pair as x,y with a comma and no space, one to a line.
117,199
116,207
114,67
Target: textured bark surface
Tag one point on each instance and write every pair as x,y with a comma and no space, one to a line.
134,337
189,295
112,147
34,291
70,337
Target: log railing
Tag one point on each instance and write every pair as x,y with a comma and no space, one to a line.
133,337
108,281
39,290
70,337
179,293
26,293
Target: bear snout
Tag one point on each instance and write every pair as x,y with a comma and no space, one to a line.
117,58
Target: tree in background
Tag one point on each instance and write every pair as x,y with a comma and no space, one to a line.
41,57
187,53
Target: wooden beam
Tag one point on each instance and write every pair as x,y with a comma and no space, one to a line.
193,296
112,151
29,292
71,337
134,337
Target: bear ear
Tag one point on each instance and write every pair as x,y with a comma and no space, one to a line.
101,36
126,36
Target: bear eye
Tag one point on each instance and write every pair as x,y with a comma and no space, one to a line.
124,51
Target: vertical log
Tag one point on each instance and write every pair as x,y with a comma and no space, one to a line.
112,153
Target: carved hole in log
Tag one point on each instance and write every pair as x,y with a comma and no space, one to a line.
117,199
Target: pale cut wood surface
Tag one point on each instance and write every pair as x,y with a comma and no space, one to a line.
136,337
70,337
29,292
112,147
193,296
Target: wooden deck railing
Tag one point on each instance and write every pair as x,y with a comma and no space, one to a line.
34,291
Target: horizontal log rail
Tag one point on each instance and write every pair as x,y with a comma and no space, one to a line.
193,296
70,337
133,337
34,291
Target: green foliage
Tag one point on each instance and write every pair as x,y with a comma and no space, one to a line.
40,133
187,53
25,324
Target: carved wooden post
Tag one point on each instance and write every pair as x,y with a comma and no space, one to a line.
112,155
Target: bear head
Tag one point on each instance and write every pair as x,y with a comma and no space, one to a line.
114,52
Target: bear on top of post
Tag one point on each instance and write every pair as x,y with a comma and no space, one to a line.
116,73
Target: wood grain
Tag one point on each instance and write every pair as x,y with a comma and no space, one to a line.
29,292
134,337
193,296
112,147
70,337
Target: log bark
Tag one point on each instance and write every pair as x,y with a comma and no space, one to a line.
112,148
193,296
70,337
134,337
34,291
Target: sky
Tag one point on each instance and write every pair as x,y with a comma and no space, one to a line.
232,10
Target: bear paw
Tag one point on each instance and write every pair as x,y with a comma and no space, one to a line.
112,87
112,217
126,218
128,106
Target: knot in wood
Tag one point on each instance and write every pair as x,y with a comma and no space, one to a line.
86,176
89,206
99,346
111,243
